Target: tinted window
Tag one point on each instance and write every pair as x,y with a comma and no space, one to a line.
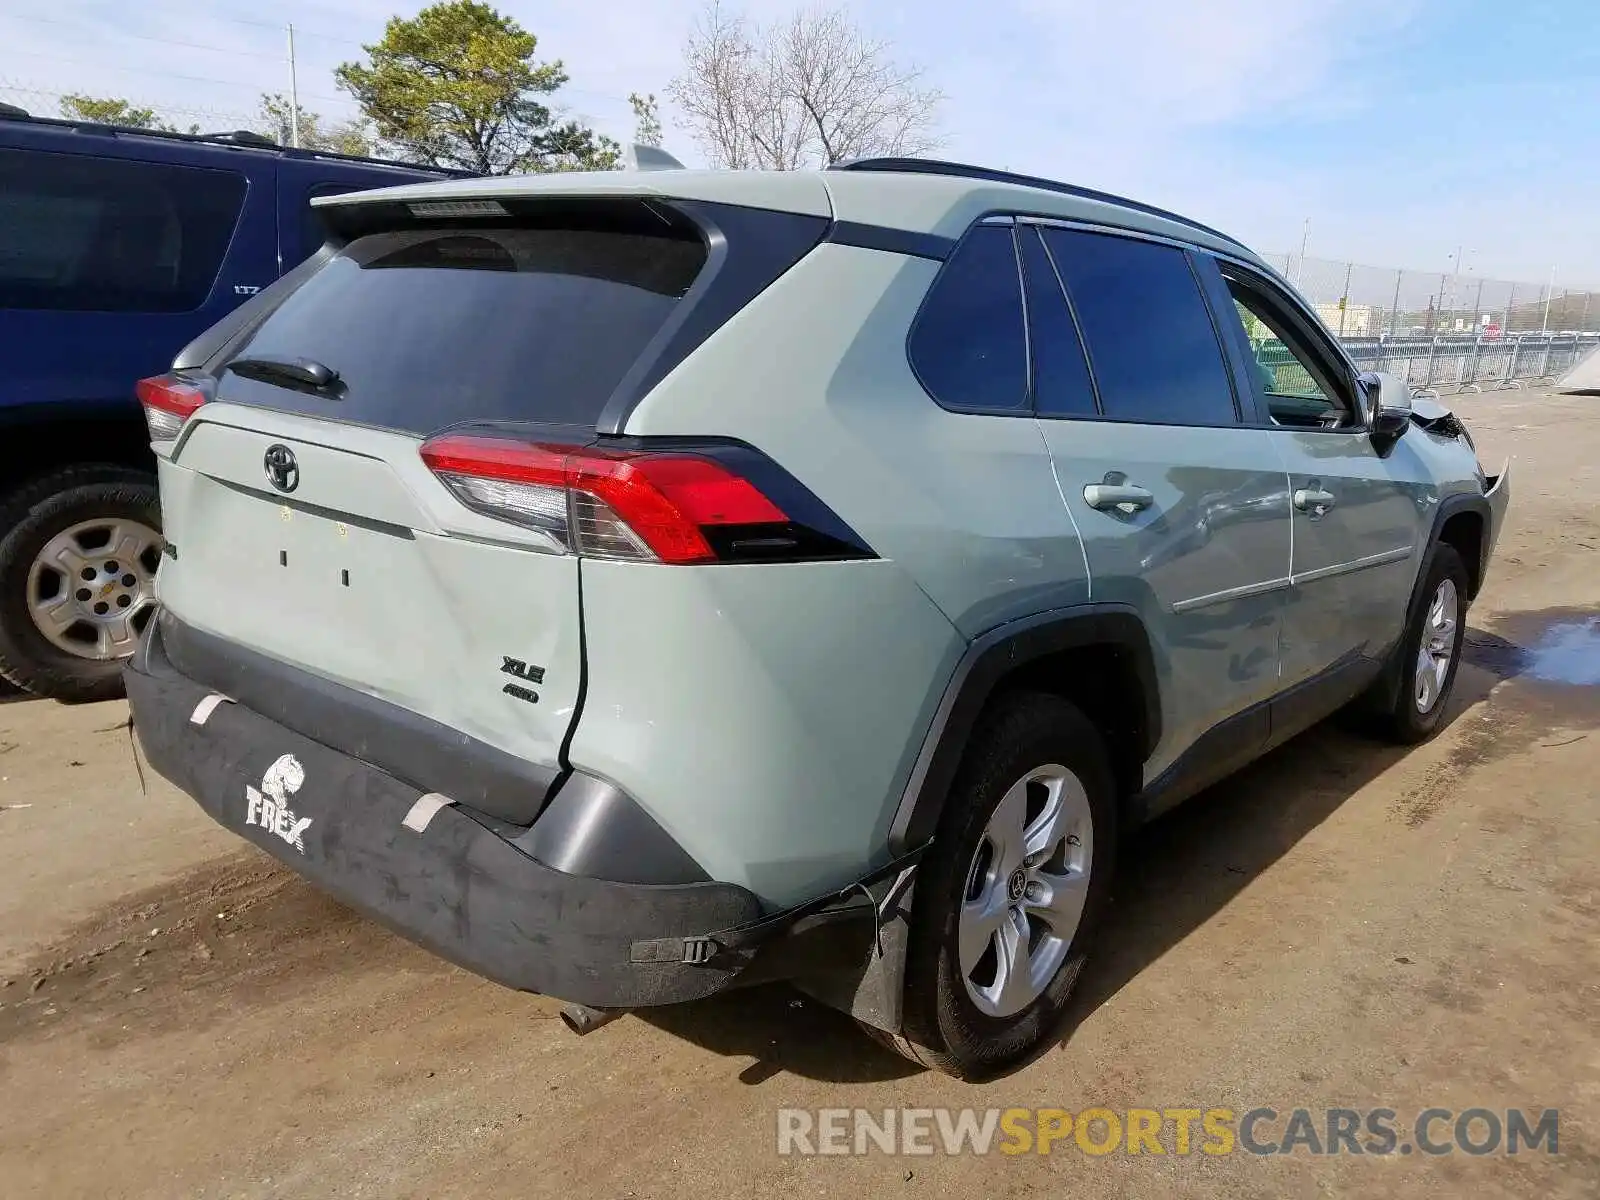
1151,342
969,348
1060,375
111,235
431,327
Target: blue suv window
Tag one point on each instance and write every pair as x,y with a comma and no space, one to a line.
88,234
1151,342
969,348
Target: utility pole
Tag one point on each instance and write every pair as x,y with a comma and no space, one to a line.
1305,237
1455,280
1544,326
1344,298
294,95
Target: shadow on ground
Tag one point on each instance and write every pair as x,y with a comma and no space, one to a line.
1179,871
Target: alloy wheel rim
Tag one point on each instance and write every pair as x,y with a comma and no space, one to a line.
1438,648
1025,891
91,588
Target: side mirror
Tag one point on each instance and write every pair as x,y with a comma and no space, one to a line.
1388,408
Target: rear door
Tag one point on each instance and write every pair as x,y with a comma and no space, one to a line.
309,528
1182,507
110,264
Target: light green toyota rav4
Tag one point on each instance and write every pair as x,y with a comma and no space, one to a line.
637,585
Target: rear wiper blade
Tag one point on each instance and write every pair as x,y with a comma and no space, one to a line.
302,372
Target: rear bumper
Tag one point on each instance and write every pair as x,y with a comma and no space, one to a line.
449,882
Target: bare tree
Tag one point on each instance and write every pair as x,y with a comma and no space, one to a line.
812,90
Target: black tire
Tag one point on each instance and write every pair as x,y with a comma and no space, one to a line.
944,1028
1400,717
29,518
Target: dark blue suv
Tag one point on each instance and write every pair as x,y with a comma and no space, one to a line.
117,248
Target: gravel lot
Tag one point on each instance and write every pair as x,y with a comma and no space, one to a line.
1342,924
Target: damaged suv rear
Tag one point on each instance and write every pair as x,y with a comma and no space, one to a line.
445,601
631,585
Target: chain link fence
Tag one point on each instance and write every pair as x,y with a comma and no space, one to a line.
1362,301
1444,330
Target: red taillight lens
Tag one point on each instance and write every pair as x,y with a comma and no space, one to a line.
612,504
168,402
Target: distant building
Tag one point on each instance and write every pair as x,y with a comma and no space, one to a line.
1357,320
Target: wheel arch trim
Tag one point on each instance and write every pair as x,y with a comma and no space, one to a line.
988,659
1451,506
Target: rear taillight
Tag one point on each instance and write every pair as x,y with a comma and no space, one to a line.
169,401
647,505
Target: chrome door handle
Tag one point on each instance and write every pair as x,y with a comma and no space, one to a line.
1126,496
1313,500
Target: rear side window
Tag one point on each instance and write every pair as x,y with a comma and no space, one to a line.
969,348
1149,335
1061,386
87,234
431,327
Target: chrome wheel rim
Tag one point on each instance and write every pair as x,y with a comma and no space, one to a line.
91,589
1025,891
1438,648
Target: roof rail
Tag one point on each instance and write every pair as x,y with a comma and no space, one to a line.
241,137
244,138
933,166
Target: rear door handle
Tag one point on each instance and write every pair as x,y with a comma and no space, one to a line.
1126,496
1313,500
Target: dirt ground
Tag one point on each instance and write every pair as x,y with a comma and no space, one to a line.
1341,924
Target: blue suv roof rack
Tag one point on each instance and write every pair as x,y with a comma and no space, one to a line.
933,166
240,138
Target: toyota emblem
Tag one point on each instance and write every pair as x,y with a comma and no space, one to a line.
283,468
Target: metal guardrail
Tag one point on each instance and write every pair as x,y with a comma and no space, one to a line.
1457,364
1472,364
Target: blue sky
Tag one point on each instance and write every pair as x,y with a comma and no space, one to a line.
1401,128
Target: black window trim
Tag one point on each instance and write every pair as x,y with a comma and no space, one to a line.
1322,347
1189,251
1077,328
988,220
1250,411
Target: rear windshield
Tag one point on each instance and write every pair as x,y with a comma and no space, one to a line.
431,327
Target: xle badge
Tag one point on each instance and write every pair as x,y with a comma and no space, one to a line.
522,670
269,807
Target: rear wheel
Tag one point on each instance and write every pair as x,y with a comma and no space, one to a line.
79,550
1011,889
